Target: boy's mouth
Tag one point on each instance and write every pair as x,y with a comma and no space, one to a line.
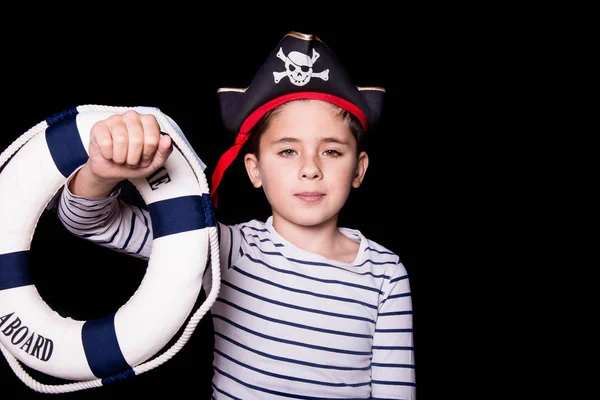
310,197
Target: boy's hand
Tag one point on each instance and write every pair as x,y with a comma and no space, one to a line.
121,147
127,146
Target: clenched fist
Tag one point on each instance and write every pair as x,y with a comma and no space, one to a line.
123,146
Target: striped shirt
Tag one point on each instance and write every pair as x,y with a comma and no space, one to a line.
288,324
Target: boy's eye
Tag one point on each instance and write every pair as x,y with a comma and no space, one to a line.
287,152
334,153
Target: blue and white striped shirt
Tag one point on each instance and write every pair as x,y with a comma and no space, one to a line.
288,324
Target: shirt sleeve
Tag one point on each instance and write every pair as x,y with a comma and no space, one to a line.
108,222
392,365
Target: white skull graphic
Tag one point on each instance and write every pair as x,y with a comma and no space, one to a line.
299,68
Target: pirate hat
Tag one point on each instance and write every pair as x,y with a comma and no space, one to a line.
300,67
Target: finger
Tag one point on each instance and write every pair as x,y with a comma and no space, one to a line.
118,132
165,148
151,138
135,141
101,137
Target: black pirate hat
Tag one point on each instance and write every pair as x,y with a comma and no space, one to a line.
300,67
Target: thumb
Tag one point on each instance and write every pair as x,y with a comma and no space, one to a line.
165,148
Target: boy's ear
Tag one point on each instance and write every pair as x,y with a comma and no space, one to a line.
361,169
251,163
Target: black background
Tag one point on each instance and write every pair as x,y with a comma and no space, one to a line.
178,67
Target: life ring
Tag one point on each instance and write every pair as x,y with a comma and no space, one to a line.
93,353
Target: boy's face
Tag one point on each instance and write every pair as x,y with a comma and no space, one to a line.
307,163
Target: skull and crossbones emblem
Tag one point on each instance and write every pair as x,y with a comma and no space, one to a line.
299,67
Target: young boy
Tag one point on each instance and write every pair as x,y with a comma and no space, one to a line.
306,309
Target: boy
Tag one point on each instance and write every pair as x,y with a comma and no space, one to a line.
306,309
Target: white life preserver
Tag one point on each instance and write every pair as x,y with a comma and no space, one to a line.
93,353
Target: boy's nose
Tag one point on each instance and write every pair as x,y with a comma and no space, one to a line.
310,169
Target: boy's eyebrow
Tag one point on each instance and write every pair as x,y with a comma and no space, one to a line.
327,139
334,140
285,139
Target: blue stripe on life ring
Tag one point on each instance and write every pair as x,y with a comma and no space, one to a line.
101,347
15,270
59,116
180,214
64,143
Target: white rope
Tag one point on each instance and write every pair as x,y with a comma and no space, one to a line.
21,141
190,156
